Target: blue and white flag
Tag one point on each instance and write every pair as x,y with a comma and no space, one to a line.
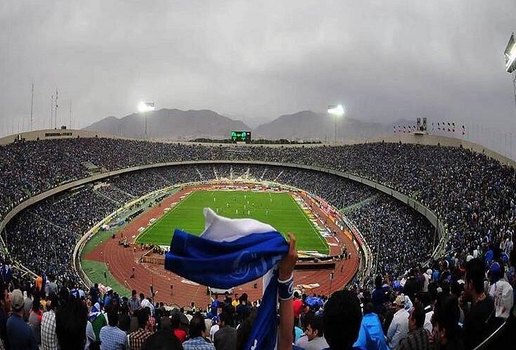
231,252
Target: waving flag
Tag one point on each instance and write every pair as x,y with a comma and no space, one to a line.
231,252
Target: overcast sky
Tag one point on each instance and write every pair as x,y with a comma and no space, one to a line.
256,60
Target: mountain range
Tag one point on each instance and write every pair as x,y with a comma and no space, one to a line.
174,124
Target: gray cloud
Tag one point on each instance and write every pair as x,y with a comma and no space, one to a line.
384,59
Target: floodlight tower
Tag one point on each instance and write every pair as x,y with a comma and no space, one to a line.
337,112
144,107
510,61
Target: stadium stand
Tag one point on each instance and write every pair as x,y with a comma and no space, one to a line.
472,194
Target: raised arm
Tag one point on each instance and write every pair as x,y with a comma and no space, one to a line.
286,310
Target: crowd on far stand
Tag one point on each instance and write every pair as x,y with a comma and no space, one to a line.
397,235
471,193
44,236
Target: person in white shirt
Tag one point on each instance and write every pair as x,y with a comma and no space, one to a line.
501,291
145,302
314,333
398,329
476,252
214,327
508,245
428,277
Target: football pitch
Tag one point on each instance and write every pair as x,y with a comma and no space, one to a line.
277,209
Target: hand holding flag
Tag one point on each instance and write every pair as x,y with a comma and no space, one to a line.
231,252
287,264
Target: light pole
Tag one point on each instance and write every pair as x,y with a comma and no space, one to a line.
337,112
144,107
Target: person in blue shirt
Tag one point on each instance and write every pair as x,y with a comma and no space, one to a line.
370,335
380,295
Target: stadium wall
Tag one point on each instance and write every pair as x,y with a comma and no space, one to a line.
51,134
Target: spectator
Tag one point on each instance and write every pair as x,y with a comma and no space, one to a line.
71,324
124,320
97,319
297,305
501,291
341,320
214,327
48,325
479,321
35,319
371,335
5,308
197,332
94,293
418,337
134,302
446,330
137,338
18,332
380,295
225,338
315,334
398,328
162,340
112,337
175,323
145,302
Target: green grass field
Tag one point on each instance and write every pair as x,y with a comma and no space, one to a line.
95,271
277,209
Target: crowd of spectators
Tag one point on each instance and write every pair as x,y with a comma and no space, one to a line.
114,194
473,195
451,305
44,235
469,227
398,236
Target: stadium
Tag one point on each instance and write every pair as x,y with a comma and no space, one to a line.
229,175
83,213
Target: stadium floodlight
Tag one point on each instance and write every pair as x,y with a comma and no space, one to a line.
510,65
510,61
144,107
510,55
337,112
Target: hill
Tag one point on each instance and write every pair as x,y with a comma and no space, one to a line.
174,124
308,125
170,124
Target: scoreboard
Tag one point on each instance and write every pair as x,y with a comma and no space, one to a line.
241,136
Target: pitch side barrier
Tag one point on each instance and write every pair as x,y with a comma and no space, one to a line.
432,218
